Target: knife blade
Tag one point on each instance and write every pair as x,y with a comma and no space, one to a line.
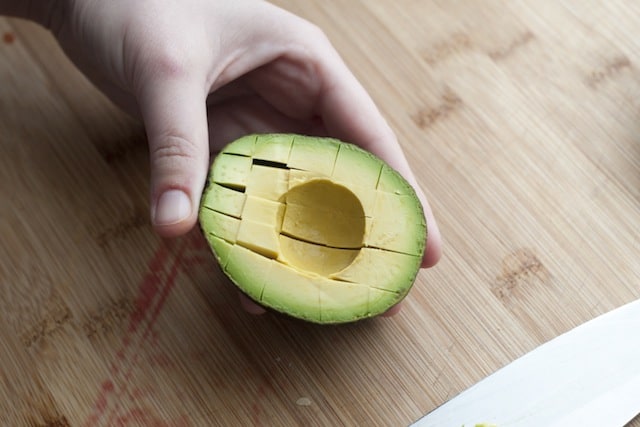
589,376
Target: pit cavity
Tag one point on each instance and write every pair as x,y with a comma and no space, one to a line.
323,227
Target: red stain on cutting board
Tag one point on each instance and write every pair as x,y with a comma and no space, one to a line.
8,38
141,338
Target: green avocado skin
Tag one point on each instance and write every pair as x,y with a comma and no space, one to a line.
248,211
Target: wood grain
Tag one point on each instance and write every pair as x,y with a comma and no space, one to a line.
521,120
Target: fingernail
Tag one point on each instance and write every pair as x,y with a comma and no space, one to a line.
173,206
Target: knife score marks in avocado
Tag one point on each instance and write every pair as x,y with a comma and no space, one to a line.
313,227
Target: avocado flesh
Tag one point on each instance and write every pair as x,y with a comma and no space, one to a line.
313,227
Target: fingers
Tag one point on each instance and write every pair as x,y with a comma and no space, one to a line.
313,81
433,250
249,306
393,310
174,112
236,117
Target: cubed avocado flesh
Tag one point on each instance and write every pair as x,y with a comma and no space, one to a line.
315,228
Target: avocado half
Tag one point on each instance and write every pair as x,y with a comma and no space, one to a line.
315,228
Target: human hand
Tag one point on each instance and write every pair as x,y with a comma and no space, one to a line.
201,73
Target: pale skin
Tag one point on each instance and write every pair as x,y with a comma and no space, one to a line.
200,73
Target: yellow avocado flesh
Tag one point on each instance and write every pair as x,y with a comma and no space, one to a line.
313,227
324,213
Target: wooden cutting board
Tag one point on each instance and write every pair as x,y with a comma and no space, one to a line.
522,122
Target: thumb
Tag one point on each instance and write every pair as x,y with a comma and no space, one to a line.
175,117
